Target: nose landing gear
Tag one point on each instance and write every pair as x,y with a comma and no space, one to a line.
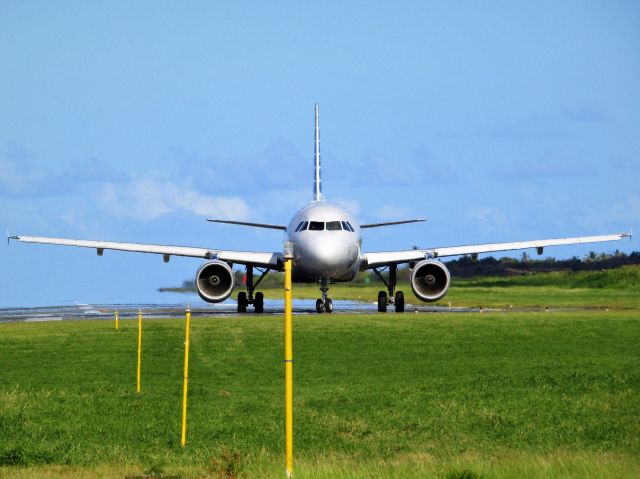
324,303
391,296
247,298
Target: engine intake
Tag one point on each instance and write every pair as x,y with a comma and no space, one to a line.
214,281
430,280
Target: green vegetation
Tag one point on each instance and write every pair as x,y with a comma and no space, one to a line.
466,267
617,288
613,288
627,278
416,395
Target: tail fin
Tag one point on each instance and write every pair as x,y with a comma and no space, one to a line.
317,181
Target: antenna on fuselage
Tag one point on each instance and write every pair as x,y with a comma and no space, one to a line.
317,181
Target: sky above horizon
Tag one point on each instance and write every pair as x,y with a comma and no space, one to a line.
136,121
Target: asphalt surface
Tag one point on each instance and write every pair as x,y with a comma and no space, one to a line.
79,311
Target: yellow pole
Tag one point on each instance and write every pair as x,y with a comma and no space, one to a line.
288,362
139,349
183,438
116,320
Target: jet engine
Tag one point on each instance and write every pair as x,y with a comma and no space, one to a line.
214,281
430,280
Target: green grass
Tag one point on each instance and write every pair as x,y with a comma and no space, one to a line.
413,395
617,288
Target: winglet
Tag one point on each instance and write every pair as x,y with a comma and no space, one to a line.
9,237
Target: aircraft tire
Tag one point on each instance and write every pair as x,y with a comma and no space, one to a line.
242,302
382,302
319,305
399,302
328,305
258,303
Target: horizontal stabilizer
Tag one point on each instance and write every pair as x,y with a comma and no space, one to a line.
391,223
245,223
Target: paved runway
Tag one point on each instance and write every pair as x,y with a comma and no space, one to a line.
226,309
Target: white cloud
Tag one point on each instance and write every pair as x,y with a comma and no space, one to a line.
622,214
391,213
487,219
147,199
19,173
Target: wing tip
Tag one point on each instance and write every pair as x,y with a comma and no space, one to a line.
11,237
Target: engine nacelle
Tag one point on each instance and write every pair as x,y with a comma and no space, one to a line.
430,280
214,281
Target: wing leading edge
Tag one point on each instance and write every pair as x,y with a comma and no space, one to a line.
372,260
269,260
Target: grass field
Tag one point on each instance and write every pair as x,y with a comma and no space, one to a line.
416,395
618,288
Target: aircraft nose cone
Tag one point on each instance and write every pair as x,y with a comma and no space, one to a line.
326,256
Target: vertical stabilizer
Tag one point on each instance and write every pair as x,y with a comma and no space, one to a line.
317,181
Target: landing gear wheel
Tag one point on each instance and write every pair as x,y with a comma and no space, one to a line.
328,305
382,302
399,302
258,303
242,302
319,305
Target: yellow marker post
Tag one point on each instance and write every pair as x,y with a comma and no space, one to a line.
139,349
116,320
183,437
288,359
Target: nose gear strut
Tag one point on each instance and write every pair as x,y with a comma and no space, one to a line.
325,303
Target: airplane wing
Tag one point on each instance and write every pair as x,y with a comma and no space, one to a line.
267,260
373,260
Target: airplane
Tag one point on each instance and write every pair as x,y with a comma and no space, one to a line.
327,248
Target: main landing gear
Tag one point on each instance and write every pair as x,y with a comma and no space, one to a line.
388,297
324,303
248,297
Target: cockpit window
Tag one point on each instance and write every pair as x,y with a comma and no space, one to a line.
302,226
347,226
334,226
316,225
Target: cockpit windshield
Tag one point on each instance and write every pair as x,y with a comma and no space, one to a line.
347,226
321,226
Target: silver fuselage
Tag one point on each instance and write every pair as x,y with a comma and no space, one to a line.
330,254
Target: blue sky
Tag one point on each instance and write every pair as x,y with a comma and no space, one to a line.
135,121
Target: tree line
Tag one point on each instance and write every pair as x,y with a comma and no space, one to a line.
466,267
